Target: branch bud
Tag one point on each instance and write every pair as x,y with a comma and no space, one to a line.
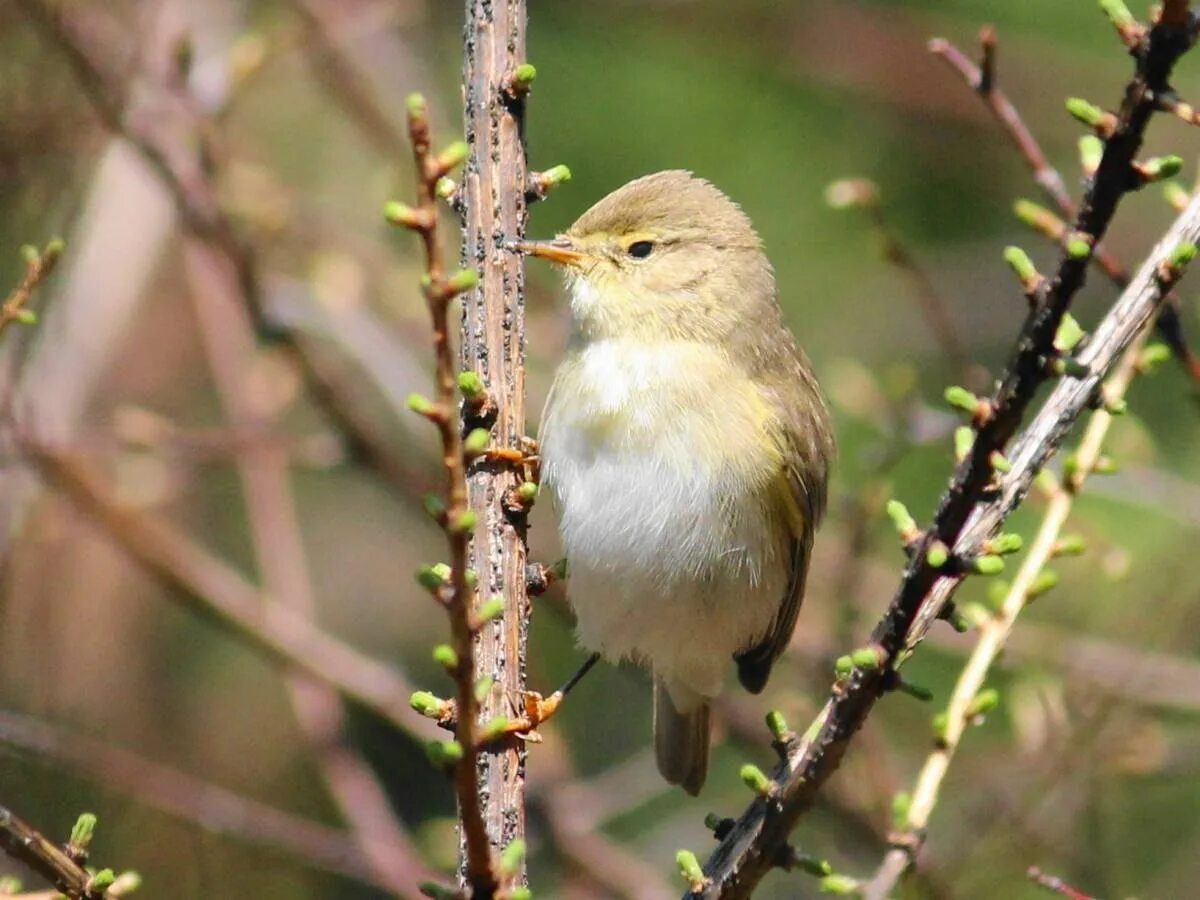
1091,151
462,281
1173,268
1078,245
510,859
433,577
1046,581
906,526
754,778
841,885
1069,334
690,871
1039,219
964,440
1024,268
1177,197
428,705
490,609
1004,544
476,442
542,183
435,891
522,79
867,658
444,655
986,564
81,836
1070,545
1158,168
444,754
985,701
937,555
778,727
999,462
402,214
423,406
843,666
471,386
1105,123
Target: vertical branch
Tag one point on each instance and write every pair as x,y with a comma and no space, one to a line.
493,346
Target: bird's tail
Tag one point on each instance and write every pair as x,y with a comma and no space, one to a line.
681,735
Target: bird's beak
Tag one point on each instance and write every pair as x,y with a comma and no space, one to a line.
561,250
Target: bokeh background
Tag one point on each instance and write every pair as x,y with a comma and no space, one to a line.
1090,768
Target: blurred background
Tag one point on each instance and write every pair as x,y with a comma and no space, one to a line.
210,769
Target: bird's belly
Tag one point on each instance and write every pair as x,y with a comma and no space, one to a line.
664,515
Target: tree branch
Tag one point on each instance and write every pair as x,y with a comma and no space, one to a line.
972,509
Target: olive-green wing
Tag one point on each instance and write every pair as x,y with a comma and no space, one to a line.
798,509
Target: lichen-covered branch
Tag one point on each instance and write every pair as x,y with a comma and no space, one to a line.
992,478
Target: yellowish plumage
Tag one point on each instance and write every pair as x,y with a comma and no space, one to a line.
687,445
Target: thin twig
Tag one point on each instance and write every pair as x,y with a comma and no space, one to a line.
22,841
972,509
982,80
455,591
38,266
209,806
994,633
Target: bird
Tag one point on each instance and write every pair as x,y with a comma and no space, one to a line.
687,446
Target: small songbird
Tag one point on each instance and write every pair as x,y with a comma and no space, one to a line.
688,447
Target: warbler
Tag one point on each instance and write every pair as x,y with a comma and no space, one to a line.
687,444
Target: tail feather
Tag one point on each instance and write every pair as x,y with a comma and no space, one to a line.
681,739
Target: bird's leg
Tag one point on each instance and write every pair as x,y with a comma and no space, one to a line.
539,709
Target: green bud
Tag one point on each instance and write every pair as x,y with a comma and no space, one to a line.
840,885
520,892
30,255
1105,465
986,565
754,778
523,77
937,555
1070,545
453,155
713,822
446,187
810,865
444,655
26,317
1160,168
402,214
512,857
435,505
101,881
1176,196
444,754
494,728
1118,13
462,281
1034,215
960,398
427,704
868,658
82,832
490,609
964,440
916,691
1091,151
527,492
433,577
1069,334
471,577
466,521
1021,264
985,701
959,622
476,441
689,868
1046,580
416,106
9,884
1078,247
971,614
898,513
901,804
1087,113
999,461
127,883
1154,355
436,891
555,175
53,251
1116,406
1182,255
471,385
483,687
843,666
1003,544
420,404
777,725
941,726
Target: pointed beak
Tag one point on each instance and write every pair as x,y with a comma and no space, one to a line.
560,250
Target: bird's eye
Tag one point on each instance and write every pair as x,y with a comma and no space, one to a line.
640,249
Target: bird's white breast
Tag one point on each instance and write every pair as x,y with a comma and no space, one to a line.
657,456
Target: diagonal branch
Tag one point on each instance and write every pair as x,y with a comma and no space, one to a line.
972,509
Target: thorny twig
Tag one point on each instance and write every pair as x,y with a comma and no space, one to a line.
995,630
38,266
982,80
455,589
973,509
